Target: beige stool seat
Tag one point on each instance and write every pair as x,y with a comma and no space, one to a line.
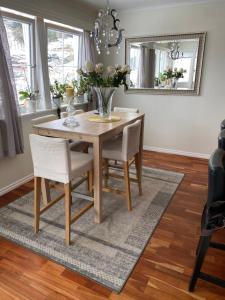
53,160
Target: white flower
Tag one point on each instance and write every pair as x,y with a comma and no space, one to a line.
111,70
126,69
89,66
99,68
118,67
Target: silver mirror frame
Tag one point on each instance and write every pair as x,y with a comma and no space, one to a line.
196,91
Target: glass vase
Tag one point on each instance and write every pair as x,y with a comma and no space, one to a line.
71,112
105,96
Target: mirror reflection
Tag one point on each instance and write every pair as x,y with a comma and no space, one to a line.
164,63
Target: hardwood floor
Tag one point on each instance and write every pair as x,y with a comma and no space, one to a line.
164,269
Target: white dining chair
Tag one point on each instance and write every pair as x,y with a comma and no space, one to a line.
74,145
126,150
125,109
53,160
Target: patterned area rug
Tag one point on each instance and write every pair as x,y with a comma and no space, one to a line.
106,252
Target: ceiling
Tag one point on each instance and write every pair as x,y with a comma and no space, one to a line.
135,4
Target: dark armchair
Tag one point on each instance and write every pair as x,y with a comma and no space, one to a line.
213,217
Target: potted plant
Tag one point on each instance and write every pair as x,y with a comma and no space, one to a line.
104,81
29,98
177,74
80,87
57,91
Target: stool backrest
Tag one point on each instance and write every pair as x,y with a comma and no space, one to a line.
51,158
131,140
43,119
64,114
125,109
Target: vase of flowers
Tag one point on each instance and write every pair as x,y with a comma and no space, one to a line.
104,81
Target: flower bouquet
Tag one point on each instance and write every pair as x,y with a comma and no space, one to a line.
104,81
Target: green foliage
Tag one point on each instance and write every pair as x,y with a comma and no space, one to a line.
26,94
58,89
81,87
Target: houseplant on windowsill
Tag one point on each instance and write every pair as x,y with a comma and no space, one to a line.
30,99
80,88
57,91
104,82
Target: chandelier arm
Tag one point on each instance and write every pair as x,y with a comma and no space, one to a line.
118,41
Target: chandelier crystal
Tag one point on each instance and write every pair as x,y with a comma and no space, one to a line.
106,32
174,52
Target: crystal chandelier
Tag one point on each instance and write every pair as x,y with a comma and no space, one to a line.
174,52
107,33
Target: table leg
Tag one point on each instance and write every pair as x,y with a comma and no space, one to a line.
97,153
141,145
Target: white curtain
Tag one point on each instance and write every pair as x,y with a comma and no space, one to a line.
11,138
42,79
87,49
88,53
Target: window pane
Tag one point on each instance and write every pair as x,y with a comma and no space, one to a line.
62,55
55,47
18,34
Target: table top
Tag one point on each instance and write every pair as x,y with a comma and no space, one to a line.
87,127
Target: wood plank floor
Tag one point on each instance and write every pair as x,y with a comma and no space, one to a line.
164,269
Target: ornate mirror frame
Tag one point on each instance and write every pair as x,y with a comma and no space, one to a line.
196,91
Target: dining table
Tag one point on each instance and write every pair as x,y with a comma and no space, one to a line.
88,130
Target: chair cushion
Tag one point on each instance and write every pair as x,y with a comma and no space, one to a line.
80,163
112,149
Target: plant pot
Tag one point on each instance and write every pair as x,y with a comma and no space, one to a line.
105,96
31,105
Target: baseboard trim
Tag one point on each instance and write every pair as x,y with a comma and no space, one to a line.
16,184
177,152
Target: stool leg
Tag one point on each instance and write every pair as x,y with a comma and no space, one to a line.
90,181
106,172
37,197
67,189
202,249
127,184
138,172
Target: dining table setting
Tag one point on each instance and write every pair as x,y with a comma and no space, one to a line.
91,128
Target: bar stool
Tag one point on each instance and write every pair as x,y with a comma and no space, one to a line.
53,160
213,217
126,150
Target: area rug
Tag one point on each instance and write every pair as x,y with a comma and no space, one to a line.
106,252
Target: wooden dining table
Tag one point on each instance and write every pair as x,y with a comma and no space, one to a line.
95,133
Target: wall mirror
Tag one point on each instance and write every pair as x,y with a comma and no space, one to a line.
166,64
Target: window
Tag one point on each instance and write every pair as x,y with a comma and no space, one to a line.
134,65
20,37
63,50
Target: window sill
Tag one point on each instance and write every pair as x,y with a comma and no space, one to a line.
27,114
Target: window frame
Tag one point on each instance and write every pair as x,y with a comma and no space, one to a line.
30,21
64,29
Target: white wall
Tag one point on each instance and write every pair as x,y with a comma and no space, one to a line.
183,124
15,171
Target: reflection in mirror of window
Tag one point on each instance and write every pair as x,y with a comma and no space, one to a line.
63,50
165,62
